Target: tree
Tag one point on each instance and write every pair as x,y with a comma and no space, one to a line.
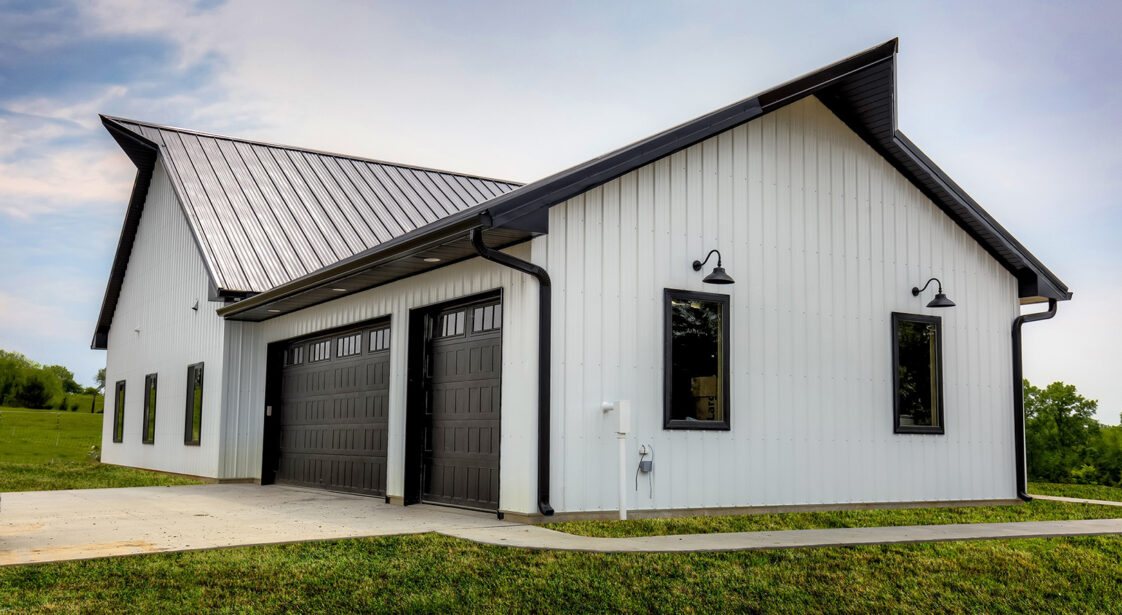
12,366
100,379
1060,432
37,387
66,377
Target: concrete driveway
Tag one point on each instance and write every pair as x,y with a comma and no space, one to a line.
46,526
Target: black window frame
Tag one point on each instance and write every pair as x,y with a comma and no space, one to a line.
669,295
119,411
150,388
941,428
189,423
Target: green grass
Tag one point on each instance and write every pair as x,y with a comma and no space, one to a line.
1038,510
48,450
435,574
1090,492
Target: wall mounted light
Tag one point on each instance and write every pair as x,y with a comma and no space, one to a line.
940,300
718,276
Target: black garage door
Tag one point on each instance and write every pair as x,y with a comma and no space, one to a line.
334,411
461,448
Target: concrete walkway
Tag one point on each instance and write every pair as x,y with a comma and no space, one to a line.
1058,498
532,537
47,526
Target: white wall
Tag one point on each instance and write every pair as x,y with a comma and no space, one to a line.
246,345
165,277
825,240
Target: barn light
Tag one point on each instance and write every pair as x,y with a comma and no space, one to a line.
272,311
940,300
718,276
339,290
432,259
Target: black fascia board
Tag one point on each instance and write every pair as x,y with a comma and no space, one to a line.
143,154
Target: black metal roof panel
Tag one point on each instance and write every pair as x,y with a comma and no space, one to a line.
267,214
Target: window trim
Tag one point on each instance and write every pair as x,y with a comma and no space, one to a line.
668,295
941,428
151,386
190,414
119,391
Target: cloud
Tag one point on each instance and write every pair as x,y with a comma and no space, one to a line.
29,319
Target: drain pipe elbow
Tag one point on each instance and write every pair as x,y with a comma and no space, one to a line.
1019,396
544,328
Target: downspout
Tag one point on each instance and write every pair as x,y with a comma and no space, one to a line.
1019,395
544,303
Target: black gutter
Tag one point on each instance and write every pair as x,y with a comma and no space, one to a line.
1019,395
545,295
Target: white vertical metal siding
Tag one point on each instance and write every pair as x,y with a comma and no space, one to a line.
246,345
825,240
164,279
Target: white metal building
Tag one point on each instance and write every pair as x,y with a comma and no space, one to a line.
285,315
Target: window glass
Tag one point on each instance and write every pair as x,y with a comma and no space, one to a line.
696,362
149,435
119,412
319,351
194,424
349,345
451,324
294,355
918,374
380,339
487,318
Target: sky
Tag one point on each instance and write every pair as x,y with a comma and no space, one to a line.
1017,101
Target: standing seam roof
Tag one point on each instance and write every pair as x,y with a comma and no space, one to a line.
265,214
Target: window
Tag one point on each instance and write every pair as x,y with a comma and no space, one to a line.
487,318
194,424
294,356
149,434
917,356
349,345
380,339
696,367
119,412
450,324
319,351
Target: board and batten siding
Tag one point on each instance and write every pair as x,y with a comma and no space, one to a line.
825,240
246,348
155,330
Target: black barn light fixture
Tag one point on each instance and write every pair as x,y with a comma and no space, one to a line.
940,300
718,276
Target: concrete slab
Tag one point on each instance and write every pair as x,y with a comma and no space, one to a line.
46,526
532,537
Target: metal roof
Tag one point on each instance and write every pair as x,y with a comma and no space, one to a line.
264,214
860,89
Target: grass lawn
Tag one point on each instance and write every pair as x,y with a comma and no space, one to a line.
1090,492
430,573
47,449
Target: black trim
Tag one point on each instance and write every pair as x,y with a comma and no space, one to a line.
668,295
189,418
941,428
1019,397
119,411
149,410
545,303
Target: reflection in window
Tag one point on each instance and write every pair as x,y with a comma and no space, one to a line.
119,411
149,409
696,362
918,375
194,420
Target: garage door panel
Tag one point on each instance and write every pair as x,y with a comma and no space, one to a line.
333,425
461,446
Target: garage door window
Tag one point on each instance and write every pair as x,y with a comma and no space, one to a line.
194,423
349,345
487,318
319,351
294,356
450,324
149,435
380,340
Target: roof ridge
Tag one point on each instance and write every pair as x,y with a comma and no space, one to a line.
295,148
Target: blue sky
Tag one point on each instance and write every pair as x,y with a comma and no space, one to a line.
1018,101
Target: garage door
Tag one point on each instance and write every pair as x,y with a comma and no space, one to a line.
334,411
461,452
